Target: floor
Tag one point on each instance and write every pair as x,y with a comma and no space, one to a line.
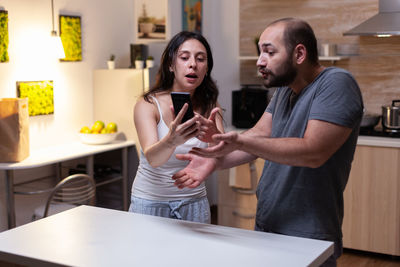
353,258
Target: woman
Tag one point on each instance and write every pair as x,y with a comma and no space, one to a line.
186,66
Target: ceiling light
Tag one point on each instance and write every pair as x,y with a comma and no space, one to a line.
56,44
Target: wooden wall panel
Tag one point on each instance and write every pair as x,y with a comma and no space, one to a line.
375,62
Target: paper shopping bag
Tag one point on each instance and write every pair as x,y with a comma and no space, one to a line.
14,129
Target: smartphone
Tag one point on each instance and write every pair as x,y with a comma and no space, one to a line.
178,100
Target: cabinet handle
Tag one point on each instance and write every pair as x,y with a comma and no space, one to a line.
244,191
246,216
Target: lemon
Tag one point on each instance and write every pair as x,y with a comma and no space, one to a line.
111,127
103,131
97,127
85,129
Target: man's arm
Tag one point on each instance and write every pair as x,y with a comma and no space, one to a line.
321,140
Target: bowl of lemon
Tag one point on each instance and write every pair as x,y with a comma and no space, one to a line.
99,134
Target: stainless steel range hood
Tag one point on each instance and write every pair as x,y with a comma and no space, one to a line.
385,23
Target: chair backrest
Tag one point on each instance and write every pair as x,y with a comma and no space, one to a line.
77,189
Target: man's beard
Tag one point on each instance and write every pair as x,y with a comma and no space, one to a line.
284,76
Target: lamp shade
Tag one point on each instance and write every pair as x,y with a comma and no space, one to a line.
56,45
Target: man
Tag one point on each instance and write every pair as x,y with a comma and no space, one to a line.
307,136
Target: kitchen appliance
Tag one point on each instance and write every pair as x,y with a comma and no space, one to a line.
391,117
385,23
380,132
390,122
327,50
248,105
369,120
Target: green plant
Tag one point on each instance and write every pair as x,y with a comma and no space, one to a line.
3,36
144,18
70,33
112,57
139,57
150,58
40,96
256,40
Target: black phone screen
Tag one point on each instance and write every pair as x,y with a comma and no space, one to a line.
178,100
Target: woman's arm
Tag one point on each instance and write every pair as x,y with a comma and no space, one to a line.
158,151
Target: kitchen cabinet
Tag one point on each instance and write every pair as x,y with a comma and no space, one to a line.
236,195
372,201
114,96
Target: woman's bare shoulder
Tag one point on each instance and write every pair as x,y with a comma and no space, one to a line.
143,103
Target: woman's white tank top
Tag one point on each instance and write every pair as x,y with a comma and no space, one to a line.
156,183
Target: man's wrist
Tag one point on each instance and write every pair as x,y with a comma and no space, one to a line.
218,163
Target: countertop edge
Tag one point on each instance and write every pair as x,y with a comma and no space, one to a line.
378,141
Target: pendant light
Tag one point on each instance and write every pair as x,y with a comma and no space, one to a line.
56,43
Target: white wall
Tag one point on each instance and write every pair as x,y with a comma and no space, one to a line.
107,28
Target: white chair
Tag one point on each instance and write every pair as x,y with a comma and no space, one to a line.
72,191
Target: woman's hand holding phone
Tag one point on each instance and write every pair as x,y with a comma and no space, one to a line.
178,100
180,132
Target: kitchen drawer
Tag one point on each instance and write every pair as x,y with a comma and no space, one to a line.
236,217
242,192
228,197
237,201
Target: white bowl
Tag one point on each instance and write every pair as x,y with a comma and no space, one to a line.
97,139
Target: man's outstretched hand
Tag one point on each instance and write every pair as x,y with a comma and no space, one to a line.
196,171
228,142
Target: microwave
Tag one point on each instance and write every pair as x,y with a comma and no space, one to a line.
248,105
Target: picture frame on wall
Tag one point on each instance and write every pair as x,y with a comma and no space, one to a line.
40,96
71,37
4,36
192,15
151,21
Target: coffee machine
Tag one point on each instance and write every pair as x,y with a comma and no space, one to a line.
248,105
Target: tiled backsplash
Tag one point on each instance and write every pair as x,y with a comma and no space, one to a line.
374,62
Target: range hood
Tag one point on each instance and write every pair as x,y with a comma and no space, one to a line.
385,23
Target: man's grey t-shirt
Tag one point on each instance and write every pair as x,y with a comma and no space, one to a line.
302,201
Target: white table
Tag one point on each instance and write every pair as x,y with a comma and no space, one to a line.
60,153
91,236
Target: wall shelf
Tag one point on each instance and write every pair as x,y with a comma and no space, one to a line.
248,57
331,58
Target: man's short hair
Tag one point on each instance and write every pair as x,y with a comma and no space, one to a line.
297,32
